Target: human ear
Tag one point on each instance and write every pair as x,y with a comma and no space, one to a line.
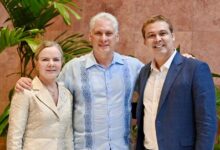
117,37
173,36
90,36
145,42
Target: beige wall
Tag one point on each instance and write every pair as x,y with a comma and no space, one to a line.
196,23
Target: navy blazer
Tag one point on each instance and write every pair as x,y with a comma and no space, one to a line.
186,116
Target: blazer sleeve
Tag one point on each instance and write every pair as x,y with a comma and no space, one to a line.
135,97
205,107
17,120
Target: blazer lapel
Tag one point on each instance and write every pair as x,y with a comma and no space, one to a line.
44,96
142,83
174,69
144,78
62,99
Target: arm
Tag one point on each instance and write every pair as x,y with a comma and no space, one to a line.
205,108
23,83
17,121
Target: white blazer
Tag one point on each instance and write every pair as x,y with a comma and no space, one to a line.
36,123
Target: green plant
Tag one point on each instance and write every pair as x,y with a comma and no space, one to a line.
30,18
217,90
217,145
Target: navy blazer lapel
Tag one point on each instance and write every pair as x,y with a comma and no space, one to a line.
143,77
174,69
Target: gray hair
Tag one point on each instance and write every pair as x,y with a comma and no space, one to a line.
104,15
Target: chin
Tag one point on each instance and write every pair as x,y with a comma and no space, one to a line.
52,76
103,49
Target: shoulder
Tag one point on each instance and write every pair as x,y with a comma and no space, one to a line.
191,62
26,94
65,94
22,98
77,60
63,89
193,66
194,63
133,64
131,60
74,65
146,67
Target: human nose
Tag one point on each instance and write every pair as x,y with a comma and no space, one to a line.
157,38
51,63
103,37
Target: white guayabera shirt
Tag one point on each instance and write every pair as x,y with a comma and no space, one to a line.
102,104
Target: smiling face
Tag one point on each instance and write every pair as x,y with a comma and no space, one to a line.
103,37
49,63
159,40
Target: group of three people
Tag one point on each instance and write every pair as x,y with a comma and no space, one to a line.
176,97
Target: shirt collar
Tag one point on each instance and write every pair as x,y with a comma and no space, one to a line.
166,65
91,61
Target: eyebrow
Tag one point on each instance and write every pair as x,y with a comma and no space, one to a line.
49,57
152,32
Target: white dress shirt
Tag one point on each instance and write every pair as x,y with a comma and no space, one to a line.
152,94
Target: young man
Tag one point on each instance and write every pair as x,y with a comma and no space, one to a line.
176,106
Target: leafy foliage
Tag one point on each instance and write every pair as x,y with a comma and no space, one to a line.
217,91
37,13
15,36
30,18
74,46
215,75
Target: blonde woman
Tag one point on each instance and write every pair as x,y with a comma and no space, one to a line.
41,118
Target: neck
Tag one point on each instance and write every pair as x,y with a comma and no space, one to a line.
52,87
159,62
104,59
161,59
48,83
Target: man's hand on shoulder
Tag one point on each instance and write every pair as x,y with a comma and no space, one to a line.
187,55
23,83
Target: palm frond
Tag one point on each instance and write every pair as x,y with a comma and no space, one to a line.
216,75
14,36
4,120
74,45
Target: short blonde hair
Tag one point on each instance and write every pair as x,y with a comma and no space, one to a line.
46,44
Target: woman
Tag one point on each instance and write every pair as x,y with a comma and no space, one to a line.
41,118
